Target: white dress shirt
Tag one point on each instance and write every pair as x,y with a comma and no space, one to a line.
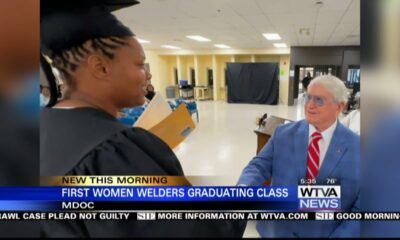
324,142
352,121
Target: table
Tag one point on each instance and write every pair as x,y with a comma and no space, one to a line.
202,93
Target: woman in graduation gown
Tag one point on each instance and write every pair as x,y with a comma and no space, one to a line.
103,66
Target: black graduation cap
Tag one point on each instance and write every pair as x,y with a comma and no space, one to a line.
68,23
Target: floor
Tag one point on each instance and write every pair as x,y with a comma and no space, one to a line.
224,142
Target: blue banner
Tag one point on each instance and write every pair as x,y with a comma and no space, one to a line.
163,194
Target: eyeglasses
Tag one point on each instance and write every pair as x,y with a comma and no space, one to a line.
318,100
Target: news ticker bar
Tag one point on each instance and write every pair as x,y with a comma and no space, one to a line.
199,216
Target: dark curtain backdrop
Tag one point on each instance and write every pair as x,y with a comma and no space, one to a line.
253,83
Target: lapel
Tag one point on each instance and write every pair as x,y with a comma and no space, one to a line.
335,152
301,149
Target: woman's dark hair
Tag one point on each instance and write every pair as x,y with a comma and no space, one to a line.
68,61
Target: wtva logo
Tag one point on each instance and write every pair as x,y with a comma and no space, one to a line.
316,197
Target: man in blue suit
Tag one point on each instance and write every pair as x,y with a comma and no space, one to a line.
313,149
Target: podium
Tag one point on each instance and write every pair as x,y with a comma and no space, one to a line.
266,129
264,133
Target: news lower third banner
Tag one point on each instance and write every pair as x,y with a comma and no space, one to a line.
137,193
148,198
172,198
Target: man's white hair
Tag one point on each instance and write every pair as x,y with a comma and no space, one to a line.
333,85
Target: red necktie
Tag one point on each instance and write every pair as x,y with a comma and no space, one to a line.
313,156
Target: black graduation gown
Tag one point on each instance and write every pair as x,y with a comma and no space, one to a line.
19,163
88,141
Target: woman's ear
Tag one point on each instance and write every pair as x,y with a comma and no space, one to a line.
97,66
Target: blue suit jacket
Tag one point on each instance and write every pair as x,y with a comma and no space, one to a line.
284,158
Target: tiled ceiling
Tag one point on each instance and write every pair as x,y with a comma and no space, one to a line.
240,23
